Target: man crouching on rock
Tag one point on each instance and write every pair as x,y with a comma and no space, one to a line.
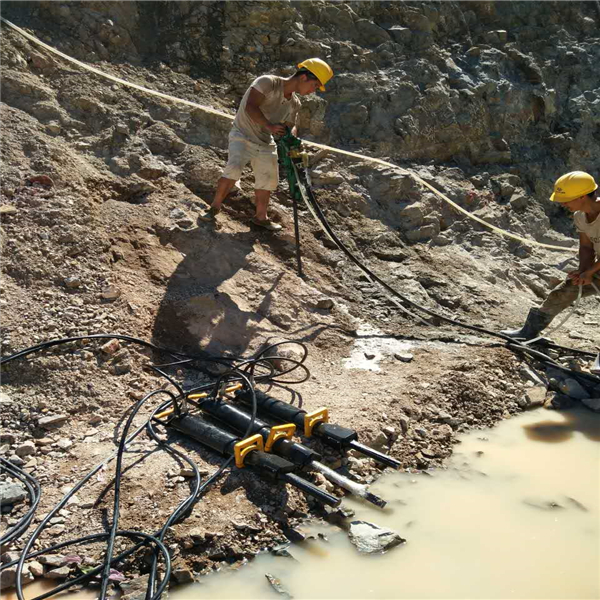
577,192
268,106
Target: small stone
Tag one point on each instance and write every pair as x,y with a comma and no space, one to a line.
25,449
52,560
16,460
572,388
536,396
404,423
7,438
120,368
369,538
52,421
277,586
53,128
592,403
380,441
429,452
46,441
41,179
527,374
8,576
111,292
60,573
325,303
35,568
110,347
64,443
73,282
11,493
404,357
183,575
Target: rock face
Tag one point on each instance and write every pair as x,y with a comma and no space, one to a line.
418,82
371,539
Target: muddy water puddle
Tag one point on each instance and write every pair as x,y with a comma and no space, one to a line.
516,514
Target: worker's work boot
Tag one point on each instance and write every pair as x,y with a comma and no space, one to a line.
536,322
209,215
266,224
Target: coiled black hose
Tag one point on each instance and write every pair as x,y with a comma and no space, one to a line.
35,492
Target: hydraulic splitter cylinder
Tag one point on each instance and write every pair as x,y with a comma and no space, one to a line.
240,420
336,436
277,439
248,452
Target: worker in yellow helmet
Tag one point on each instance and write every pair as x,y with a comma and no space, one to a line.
268,106
577,192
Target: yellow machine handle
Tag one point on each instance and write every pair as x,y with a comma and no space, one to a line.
277,432
314,418
242,448
232,388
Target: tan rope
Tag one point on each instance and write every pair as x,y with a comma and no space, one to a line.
212,111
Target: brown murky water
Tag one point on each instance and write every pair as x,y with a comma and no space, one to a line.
515,515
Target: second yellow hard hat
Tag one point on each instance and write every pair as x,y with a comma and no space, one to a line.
573,185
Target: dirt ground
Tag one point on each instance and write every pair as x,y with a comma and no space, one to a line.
90,251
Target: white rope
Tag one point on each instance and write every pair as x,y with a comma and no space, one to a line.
361,157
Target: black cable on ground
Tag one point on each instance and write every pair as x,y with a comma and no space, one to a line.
147,540
108,336
117,491
511,343
35,492
193,498
181,509
552,346
540,356
37,532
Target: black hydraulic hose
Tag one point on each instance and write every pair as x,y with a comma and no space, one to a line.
108,336
148,539
35,492
552,346
25,552
175,515
117,491
310,199
199,489
594,379
296,363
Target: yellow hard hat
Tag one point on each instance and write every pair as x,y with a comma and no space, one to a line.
573,185
319,68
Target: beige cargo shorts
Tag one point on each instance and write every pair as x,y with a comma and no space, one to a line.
262,157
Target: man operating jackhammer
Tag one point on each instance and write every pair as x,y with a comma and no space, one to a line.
577,192
269,106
